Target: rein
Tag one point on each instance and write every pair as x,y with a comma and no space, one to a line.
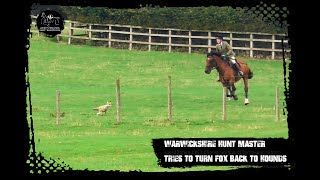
222,70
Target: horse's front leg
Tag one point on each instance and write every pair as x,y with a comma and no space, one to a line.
227,89
246,100
233,92
228,93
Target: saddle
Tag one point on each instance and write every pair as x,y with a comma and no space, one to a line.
235,72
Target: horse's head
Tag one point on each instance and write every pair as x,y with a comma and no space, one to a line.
210,63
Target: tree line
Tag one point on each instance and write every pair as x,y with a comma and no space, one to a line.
188,18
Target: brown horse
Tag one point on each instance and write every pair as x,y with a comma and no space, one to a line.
227,75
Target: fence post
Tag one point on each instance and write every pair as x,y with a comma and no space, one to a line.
70,32
169,99
149,45
224,106
273,46
169,40
109,37
58,106
251,45
209,41
130,43
277,104
118,101
231,44
190,42
90,32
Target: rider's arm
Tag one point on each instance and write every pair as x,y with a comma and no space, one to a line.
229,48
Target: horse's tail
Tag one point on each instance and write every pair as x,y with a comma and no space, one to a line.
250,74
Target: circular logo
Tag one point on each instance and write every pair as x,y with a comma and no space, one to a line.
50,23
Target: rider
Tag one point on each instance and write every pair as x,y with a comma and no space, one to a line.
226,50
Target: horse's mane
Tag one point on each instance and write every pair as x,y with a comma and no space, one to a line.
211,53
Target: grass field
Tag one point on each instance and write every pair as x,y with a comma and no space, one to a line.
86,77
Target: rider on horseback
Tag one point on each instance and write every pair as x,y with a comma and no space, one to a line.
225,49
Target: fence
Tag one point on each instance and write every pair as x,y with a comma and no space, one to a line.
170,106
252,43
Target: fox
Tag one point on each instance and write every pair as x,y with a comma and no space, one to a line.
103,108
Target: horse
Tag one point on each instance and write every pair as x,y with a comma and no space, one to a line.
227,75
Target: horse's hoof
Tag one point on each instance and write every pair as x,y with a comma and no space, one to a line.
246,101
235,97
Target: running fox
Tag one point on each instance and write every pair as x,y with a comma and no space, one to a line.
103,108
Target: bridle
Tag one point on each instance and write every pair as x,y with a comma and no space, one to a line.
213,67
217,65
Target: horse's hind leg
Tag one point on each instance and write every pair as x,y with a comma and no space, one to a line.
246,100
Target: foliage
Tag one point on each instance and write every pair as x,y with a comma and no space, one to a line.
189,18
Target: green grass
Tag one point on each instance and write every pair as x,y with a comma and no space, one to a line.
86,77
